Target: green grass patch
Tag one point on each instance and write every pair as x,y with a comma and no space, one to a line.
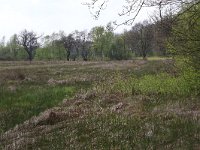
152,58
28,101
186,84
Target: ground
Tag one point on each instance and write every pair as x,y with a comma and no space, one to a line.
97,105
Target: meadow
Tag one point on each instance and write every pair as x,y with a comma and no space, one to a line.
133,104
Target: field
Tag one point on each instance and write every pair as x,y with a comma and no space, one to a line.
132,104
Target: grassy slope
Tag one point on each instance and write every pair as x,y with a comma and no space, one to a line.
123,109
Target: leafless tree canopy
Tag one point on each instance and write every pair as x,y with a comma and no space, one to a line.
132,8
69,44
29,41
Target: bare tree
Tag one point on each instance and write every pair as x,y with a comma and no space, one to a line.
69,44
140,39
83,43
29,40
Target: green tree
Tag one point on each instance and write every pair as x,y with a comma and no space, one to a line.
109,36
118,49
185,41
13,46
98,38
102,38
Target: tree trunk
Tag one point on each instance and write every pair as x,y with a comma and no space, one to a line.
68,54
30,57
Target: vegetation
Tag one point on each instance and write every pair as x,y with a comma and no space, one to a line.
185,39
27,102
163,84
123,104
139,102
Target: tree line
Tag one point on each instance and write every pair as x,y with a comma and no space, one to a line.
100,43
169,34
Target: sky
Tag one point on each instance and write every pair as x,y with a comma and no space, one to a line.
48,16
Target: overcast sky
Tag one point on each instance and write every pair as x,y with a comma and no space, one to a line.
48,16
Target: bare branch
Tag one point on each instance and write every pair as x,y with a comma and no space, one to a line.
132,8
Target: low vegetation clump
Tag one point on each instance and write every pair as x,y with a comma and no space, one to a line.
186,84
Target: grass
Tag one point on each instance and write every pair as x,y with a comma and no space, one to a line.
154,58
29,101
118,132
163,83
109,105
26,92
